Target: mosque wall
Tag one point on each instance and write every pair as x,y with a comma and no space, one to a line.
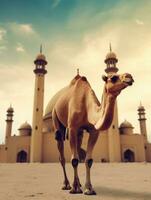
148,152
134,143
3,154
49,148
101,150
114,138
17,144
50,151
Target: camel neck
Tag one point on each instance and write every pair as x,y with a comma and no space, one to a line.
106,112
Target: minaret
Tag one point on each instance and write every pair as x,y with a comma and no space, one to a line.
113,131
36,138
142,121
9,121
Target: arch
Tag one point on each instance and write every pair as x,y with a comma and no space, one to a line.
129,156
22,156
82,155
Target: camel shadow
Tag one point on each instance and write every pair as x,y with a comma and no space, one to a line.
120,193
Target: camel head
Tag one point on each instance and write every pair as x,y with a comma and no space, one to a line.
115,83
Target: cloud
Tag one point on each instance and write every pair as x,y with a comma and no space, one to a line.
139,22
2,33
26,29
55,3
20,48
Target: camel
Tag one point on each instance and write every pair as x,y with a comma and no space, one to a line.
78,109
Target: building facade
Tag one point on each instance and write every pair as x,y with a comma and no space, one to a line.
37,143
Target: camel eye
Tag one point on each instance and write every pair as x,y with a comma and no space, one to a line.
114,79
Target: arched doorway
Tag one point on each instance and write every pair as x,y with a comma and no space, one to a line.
129,156
22,156
82,155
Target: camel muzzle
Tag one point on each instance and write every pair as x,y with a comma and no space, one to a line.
128,79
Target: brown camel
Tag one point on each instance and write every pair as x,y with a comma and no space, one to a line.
78,109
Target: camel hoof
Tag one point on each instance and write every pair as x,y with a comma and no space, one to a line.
76,191
79,191
66,187
89,192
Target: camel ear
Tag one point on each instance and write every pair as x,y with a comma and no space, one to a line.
104,78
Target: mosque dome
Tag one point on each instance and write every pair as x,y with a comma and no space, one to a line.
126,124
40,57
126,128
25,129
111,55
140,108
111,59
51,103
10,109
25,126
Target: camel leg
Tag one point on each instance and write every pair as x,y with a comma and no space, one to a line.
88,163
66,184
60,131
73,144
79,141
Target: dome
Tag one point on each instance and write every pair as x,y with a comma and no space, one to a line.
52,102
10,109
25,129
111,55
25,126
41,57
141,108
126,124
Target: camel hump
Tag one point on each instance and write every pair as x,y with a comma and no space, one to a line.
83,78
74,80
77,79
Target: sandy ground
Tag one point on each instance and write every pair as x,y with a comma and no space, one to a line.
43,181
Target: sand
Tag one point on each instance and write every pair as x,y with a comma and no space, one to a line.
112,181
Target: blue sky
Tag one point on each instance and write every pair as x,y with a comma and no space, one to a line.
26,24
53,19
74,33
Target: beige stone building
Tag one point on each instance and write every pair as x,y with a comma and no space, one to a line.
37,143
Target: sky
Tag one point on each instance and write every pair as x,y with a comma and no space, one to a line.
74,34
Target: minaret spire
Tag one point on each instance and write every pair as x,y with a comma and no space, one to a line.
41,48
77,71
110,47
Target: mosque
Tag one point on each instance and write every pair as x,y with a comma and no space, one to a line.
37,143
